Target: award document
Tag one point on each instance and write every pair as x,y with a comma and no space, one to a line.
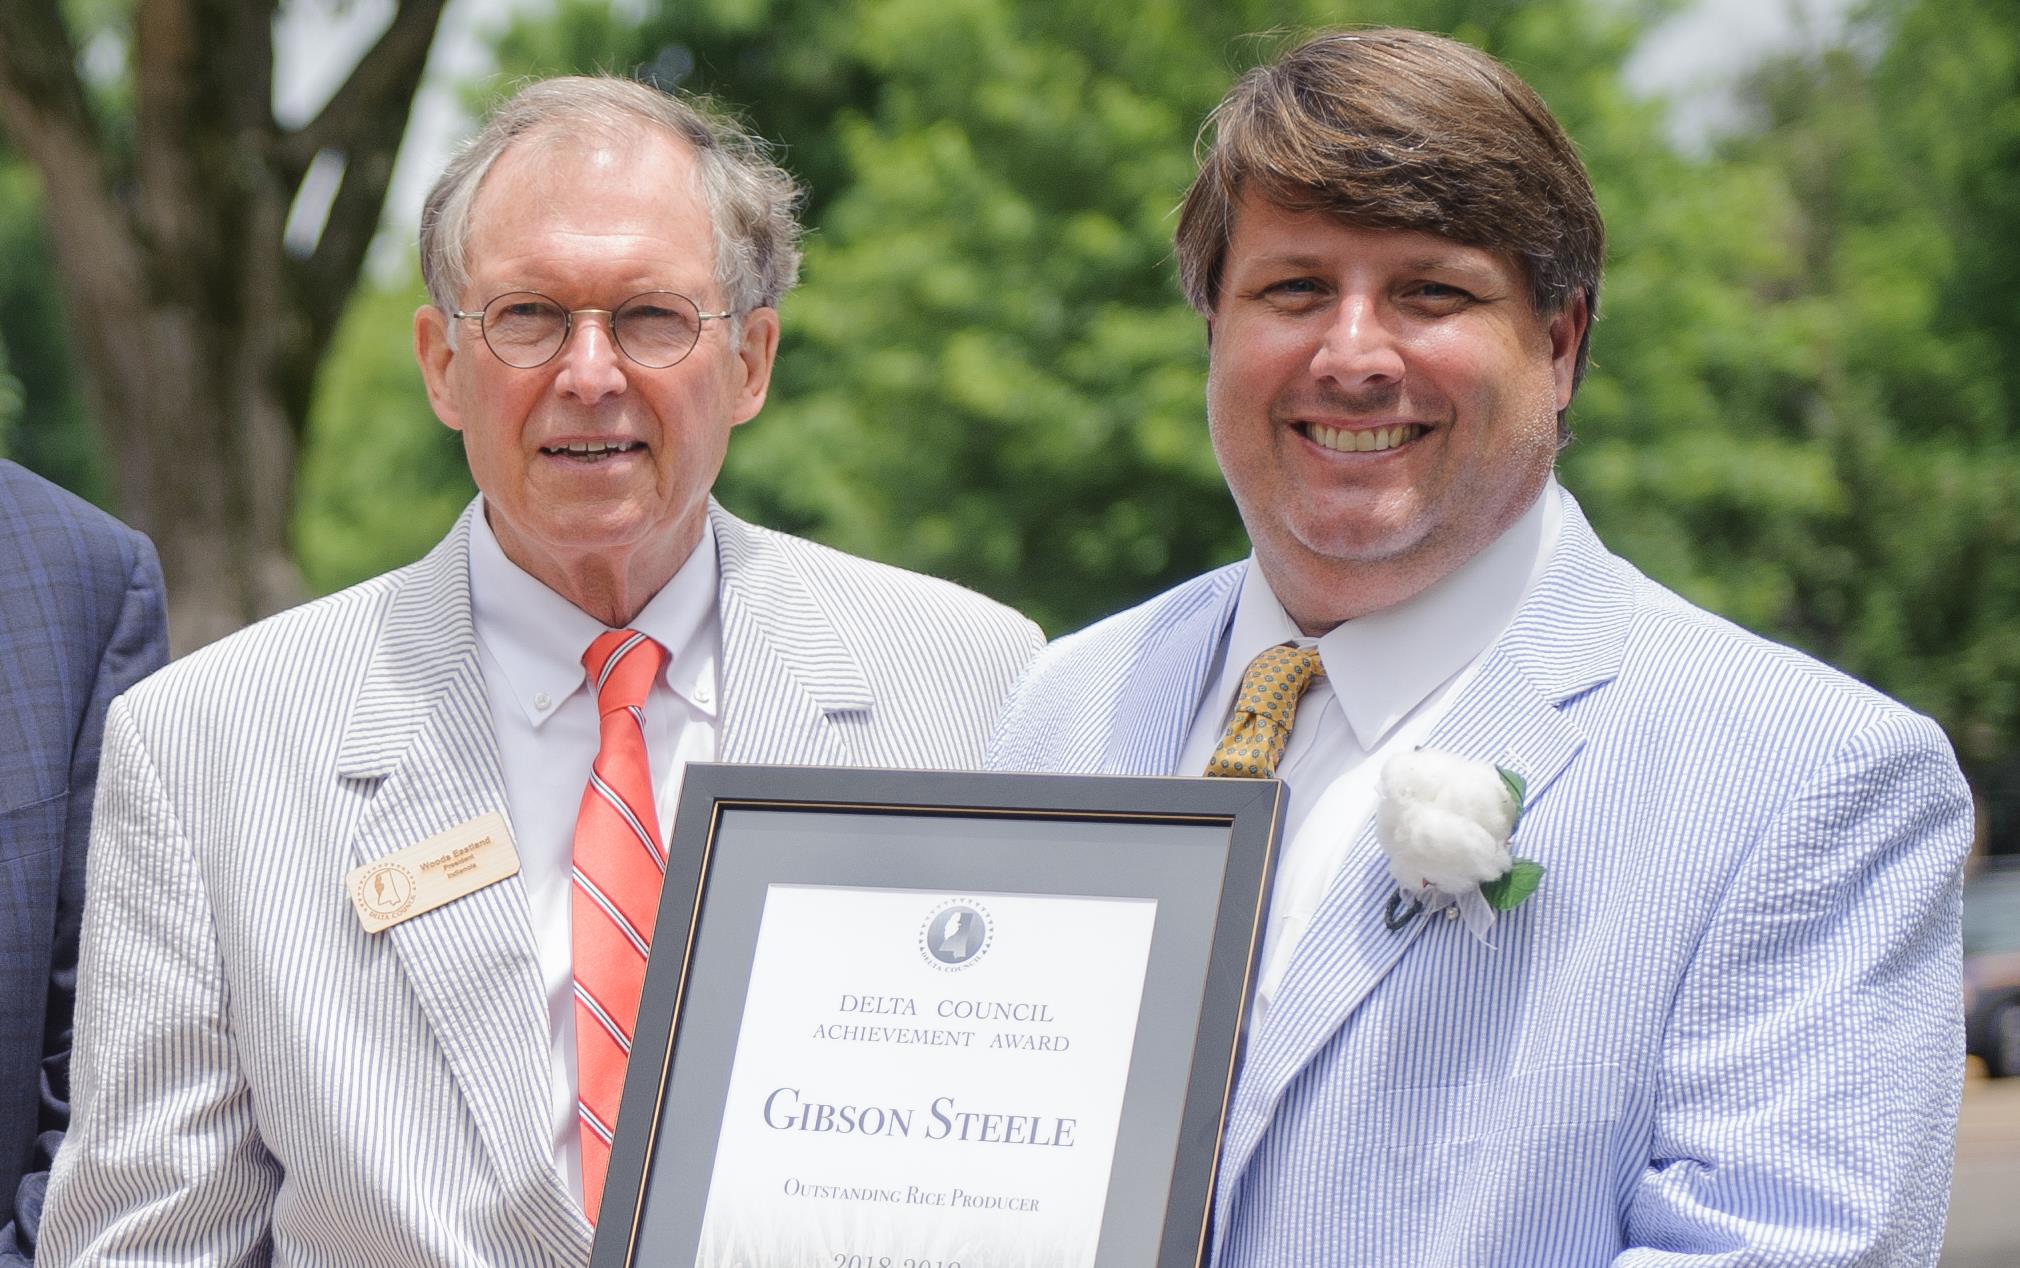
905,1019
927,1076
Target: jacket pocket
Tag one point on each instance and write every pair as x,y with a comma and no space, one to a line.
1524,1104
33,828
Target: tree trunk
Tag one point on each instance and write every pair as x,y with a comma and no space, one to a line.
207,468
183,372
199,334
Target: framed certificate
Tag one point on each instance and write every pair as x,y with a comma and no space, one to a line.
897,1019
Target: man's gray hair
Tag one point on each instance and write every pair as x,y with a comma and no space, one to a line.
752,202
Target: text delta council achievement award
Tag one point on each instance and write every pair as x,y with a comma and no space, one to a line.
926,1077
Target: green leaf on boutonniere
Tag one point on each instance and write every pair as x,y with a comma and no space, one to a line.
1513,887
1518,788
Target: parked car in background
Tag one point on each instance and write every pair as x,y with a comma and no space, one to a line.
1992,966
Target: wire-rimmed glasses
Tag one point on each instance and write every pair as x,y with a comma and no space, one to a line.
525,329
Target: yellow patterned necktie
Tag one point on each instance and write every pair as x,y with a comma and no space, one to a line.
1264,707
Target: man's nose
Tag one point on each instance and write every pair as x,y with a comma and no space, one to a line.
592,366
1359,346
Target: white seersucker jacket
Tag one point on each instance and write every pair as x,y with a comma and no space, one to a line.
259,1081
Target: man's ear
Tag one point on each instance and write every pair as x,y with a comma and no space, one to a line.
1567,336
757,348
436,354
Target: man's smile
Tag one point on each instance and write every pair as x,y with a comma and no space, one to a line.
592,451
1361,439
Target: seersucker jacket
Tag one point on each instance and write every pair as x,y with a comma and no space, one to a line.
258,1080
1725,1031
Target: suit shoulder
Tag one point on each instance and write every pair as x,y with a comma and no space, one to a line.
271,657
1060,715
1670,666
894,603
1691,687
1114,640
47,527
1727,662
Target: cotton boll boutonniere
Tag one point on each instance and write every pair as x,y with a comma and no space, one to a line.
1445,821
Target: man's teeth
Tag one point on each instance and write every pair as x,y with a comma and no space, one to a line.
583,449
1369,440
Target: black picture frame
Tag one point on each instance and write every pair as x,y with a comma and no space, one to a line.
1204,848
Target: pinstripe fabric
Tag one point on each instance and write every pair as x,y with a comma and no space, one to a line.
1724,1032
618,866
259,1081
80,621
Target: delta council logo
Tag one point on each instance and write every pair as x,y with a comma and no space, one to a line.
956,934
385,892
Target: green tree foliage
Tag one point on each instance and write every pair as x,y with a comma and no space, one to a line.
382,480
989,372
42,420
1807,421
10,399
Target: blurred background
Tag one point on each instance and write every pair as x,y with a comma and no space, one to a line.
1801,412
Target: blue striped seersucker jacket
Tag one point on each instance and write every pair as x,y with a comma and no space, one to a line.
259,1081
1724,1032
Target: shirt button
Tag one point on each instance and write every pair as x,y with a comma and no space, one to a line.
701,695
541,700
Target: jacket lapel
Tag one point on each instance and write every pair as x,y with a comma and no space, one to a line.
1169,677
789,681
1348,949
1567,639
420,746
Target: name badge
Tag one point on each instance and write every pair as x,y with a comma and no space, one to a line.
439,870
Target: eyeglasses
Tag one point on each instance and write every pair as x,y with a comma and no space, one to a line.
524,329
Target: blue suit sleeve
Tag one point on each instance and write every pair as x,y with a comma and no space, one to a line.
1813,1065
135,645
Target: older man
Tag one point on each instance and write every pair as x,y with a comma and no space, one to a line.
1724,1028
301,1039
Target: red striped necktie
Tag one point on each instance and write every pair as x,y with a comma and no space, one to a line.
619,863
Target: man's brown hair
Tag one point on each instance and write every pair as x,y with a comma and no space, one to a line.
1398,129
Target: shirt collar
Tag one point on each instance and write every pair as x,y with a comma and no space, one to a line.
537,637
1382,666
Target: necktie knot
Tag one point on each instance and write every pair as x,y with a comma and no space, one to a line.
1264,707
1275,680
621,666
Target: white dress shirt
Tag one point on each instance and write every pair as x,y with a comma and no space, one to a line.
1389,677
530,643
